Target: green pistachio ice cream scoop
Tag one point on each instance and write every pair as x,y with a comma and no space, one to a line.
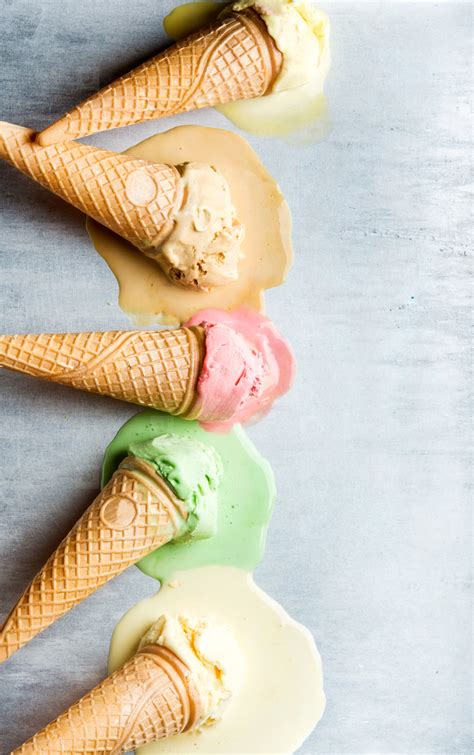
194,472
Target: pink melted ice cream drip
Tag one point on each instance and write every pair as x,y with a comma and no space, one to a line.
247,365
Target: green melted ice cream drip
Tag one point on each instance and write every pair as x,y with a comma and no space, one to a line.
194,472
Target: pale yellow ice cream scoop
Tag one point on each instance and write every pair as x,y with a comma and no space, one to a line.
211,653
301,33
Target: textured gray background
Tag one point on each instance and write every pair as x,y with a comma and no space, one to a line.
370,542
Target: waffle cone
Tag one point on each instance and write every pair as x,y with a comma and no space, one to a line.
150,698
134,514
153,368
232,59
134,198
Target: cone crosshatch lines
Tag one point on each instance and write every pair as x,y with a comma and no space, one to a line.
135,513
150,698
234,58
134,198
158,368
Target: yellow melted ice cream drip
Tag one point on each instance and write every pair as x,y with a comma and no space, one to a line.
265,255
279,697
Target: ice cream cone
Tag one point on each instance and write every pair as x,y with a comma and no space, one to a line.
150,698
234,58
153,368
135,513
134,198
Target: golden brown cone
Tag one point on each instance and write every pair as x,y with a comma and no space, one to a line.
234,58
151,697
134,198
135,513
156,368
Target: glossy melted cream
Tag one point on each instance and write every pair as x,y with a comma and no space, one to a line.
281,698
144,291
303,109
189,17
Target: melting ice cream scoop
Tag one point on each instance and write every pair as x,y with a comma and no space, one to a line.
247,365
278,699
300,32
177,681
194,472
211,653
203,247
296,100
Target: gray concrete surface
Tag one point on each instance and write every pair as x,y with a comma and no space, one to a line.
370,542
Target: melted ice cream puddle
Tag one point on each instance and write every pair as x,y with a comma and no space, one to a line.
144,291
281,698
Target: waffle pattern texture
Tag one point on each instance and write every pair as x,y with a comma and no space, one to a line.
134,198
134,514
156,368
148,699
234,58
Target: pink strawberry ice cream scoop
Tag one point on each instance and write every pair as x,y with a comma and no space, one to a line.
247,365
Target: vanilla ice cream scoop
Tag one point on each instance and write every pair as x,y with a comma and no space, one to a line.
301,33
211,653
203,247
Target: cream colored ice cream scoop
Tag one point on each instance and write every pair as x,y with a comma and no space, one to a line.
180,216
210,651
184,672
300,31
